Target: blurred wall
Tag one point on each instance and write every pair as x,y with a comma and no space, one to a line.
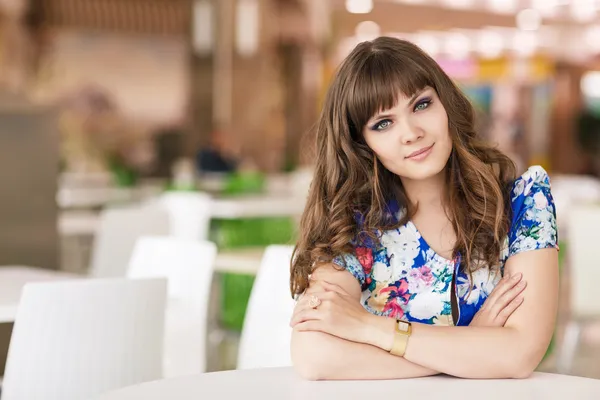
29,166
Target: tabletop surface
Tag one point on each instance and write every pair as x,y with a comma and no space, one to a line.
12,280
283,383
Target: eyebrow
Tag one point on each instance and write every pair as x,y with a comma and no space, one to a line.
414,96
381,116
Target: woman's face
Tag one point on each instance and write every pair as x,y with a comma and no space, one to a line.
411,139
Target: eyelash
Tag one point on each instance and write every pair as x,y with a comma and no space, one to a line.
425,101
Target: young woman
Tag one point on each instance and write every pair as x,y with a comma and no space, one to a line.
420,251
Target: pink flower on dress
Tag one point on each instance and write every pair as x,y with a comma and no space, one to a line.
421,278
394,309
365,257
398,295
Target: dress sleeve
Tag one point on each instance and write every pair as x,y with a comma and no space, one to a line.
355,263
534,215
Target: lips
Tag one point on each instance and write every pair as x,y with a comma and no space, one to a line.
418,152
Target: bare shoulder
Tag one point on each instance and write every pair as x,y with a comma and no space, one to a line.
332,273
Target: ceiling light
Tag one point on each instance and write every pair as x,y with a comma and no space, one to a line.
457,45
359,6
459,3
583,10
367,30
547,8
525,43
428,43
503,6
412,1
529,20
592,38
490,44
590,84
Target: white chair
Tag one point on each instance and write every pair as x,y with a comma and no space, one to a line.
116,236
583,256
266,335
189,214
76,339
188,265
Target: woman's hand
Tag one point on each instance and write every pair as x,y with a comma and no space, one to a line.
503,301
337,313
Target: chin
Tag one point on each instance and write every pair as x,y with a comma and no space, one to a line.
421,171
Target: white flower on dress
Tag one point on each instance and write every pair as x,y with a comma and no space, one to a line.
474,295
541,202
519,187
401,263
532,173
528,188
527,243
487,280
403,247
484,282
381,272
427,305
546,233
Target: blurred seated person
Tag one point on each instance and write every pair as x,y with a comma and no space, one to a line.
217,156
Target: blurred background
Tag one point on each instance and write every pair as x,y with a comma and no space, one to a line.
112,104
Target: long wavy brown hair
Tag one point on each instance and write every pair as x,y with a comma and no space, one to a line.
349,180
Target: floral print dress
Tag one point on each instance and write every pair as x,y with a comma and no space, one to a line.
404,278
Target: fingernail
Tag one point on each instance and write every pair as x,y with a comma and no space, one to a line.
517,276
521,284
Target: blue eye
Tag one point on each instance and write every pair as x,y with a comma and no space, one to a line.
422,104
382,125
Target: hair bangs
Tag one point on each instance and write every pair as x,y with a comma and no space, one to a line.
378,83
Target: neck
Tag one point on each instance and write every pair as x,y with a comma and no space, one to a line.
425,193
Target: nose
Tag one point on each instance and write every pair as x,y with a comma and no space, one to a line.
410,132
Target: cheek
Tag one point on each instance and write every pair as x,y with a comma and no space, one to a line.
378,144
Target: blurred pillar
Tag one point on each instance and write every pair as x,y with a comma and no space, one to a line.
265,69
16,46
567,158
305,31
223,66
203,34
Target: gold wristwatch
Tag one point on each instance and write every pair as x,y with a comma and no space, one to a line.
403,329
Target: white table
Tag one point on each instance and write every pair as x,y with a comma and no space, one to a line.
12,280
282,384
79,222
257,206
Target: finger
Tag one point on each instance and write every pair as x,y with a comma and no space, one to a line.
332,287
505,284
510,308
305,315
324,286
305,303
314,286
509,296
312,325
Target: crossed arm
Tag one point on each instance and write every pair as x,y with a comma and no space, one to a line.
322,350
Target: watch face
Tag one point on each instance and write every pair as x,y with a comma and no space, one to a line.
403,326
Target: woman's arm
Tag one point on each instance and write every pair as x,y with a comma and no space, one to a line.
320,356
512,351
317,355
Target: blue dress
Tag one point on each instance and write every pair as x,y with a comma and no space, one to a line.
406,279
